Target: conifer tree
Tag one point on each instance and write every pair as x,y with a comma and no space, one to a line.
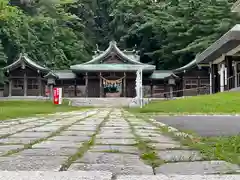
3,61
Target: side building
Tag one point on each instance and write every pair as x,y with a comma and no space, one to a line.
223,59
110,73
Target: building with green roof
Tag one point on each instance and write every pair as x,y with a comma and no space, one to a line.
110,73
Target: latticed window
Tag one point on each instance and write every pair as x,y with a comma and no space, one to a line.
204,82
32,84
190,83
17,83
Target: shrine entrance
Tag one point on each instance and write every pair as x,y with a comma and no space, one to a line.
113,86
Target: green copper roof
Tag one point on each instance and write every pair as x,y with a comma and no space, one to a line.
112,67
61,74
125,55
24,58
162,74
226,44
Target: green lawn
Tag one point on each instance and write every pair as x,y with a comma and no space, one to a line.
227,102
14,109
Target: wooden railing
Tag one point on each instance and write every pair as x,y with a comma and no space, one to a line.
233,82
183,92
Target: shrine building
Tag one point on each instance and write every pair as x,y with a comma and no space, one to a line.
110,73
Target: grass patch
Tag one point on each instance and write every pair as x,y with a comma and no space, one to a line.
226,148
149,155
15,109
220,103
220,148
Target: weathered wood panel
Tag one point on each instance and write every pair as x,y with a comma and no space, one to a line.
93,88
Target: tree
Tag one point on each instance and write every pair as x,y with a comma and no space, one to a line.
58,33
170,33
3,61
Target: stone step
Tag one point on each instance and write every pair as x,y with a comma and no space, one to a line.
101,102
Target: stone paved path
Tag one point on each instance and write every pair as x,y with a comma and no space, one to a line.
112,142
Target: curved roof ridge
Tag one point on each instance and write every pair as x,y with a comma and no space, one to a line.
24,57
124,55
112,46
102,55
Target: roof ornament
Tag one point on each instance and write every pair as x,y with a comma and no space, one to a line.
135,48
97,48
135,51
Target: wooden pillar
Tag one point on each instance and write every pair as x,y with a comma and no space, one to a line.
25,83
171,91
75,88
100,85
199,86
124,85
215,78
229,64
39,84
235,75
86,84
10,87
151,89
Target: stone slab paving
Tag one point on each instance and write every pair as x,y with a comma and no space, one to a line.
110,158
21,140
114,169
197,167
167,146
60,151
48,175
180,177
70,138
47,153
5,148
30,134
57,138
31,163
179,155
114,150
77,133
47,128
116,141
56,144
102,175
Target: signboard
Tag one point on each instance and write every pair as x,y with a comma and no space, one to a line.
171,81
57,95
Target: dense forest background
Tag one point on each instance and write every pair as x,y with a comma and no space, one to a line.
58,33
